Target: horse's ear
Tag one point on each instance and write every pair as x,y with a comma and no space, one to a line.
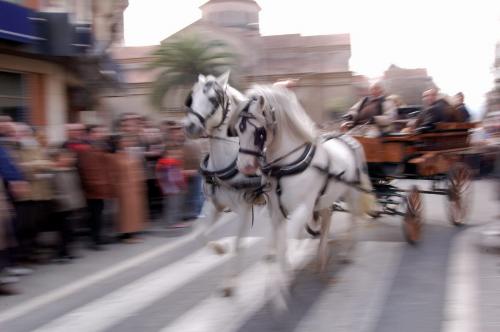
224,79
201,78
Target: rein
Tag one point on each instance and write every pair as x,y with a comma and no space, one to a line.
221,139
286,155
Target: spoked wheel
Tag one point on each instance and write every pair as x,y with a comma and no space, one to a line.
412,220
459,193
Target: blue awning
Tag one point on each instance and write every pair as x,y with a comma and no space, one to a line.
16,23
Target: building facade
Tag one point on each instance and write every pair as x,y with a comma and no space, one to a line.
321,63
493,97
409,84
53,57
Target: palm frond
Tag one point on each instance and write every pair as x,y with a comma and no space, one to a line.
182,59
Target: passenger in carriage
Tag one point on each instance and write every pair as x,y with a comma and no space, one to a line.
376,110
461,108
437,109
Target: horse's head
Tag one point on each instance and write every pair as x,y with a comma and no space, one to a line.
254,126
207,105
270,121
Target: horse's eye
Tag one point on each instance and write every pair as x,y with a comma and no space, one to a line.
260,137
214,101
243,125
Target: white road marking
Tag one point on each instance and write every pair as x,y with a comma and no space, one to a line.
106,311
45,299
227,314
360,294
460,312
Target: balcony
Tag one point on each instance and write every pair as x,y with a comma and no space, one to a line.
60,37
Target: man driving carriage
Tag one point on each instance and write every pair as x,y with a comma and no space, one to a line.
373,114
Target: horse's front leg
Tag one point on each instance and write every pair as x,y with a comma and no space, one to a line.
278,266
281,271
205,227
243,213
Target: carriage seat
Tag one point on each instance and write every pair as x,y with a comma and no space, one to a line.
444,136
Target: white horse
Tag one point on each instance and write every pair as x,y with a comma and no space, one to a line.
307,173
209,105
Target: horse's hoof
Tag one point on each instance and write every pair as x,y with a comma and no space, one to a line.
219,249
227,292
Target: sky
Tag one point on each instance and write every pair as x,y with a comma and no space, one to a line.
453,39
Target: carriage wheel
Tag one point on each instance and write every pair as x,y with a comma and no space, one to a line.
412,222
459,193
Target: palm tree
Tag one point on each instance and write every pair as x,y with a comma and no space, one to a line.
181,60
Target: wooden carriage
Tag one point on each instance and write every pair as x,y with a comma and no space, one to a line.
437,156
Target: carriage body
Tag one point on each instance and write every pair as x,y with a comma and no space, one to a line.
436,156
419,155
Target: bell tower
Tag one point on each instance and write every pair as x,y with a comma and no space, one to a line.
241,14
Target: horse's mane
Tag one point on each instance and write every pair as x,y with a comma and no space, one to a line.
230,91
287,109
238,97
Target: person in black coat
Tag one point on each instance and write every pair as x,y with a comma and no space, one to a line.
461,108
436,111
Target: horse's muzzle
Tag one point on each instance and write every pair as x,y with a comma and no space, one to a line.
192,130
249,170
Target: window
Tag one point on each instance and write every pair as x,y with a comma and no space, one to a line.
13,99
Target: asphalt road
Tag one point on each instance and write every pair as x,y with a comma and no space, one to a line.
171,282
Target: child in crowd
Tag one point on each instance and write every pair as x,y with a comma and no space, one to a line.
173,184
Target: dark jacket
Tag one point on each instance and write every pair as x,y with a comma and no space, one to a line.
464,112
436,112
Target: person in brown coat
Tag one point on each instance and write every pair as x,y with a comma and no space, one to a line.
94,168
129,184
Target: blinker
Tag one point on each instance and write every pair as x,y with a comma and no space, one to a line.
189,100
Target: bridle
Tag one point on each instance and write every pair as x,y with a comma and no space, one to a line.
260,133
219,100
260,137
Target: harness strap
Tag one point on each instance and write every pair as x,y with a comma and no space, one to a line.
279,191
311,232
224,174
353,145
338,177
257,154
296,167
198,115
